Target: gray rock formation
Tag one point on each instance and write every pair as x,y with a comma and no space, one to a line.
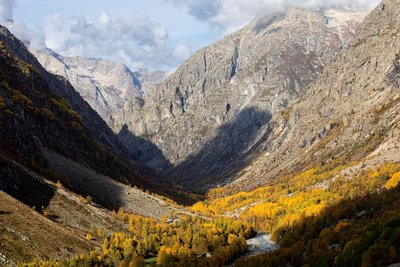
149,79
212,113
104,84
350,113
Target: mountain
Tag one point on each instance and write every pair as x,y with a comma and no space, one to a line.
350,113
48,127
329,192
62,169
149,79
209,116
310,171
104,84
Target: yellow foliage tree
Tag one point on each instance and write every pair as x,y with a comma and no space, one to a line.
394,181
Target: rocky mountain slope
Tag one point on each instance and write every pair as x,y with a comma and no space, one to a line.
104,84
40,111
212,113
351,112
149,79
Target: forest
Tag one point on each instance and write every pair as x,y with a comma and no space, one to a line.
187,241
321,217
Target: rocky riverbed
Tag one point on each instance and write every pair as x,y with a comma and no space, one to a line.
261,243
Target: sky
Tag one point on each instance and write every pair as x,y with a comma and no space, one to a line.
153,34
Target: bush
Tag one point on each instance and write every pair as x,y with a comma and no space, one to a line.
59,184
64,107
47,213
44,112
86,200
20,98
2,103
88,236
76,126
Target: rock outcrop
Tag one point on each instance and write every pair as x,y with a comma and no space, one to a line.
104,84
212,113
350,113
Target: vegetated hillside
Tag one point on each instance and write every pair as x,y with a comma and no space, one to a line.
40,111
58,162
322,217
350,112
208,118
184,241
26,240
72,230
55,222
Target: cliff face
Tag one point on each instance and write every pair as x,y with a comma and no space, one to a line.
104,84
350,113
212,113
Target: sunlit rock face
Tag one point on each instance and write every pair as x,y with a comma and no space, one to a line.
104,84
213,111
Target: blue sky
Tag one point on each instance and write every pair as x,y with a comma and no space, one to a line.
156,34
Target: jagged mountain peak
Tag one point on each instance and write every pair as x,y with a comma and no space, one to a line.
104,84
249,74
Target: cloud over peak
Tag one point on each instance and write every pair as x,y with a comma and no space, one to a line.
137,41
228,15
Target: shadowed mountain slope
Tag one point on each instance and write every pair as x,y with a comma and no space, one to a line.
39,110
263,67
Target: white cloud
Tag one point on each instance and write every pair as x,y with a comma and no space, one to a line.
134,40
228,15
181,52
104,18
6,18
139,42
6,10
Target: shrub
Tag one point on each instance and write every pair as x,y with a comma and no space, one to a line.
86,200
47,213
64,107
76,126
394,181
20,98
59,184
2,103
44,112
88,236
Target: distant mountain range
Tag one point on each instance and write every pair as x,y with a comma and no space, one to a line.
104,84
